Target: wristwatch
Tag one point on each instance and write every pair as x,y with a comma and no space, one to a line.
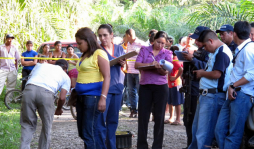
232,85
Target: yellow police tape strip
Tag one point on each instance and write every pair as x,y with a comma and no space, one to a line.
135,60
46,58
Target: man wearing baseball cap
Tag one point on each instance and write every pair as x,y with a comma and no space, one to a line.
8,67
226,35
197,61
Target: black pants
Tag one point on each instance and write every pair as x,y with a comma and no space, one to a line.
25,72
189,117
150,95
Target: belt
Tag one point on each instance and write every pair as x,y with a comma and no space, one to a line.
212,91
206,91
237,89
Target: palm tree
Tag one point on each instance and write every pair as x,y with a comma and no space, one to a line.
215,15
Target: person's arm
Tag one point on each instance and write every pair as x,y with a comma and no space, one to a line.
63,55
215,74
105,71
29,63
75,61
50,56
17,57
179,73
61,102
248,68
196,62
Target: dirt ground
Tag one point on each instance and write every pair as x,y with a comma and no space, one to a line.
65,136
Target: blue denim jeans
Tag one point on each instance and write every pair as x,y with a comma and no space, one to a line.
205,119
108,121
87,115
133,87
230,125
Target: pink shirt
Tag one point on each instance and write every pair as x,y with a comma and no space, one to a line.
152,76
135,46
8,64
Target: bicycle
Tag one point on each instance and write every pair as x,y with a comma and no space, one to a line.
13,99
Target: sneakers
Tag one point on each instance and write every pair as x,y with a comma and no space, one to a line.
133,114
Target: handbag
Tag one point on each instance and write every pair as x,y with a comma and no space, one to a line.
73,98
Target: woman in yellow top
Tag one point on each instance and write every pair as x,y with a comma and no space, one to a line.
92,85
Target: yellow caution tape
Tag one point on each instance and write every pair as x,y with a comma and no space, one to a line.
135,60
44,58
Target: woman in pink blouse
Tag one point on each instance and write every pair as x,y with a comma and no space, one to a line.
153,90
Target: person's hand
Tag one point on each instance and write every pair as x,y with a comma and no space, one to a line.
102,104
122,62
58,112
156,64
199,73
172,78
188,56
230,93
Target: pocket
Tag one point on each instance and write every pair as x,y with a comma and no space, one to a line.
90,101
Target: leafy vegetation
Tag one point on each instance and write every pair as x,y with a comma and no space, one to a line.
50,20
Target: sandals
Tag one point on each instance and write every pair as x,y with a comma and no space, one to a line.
167,122
176,123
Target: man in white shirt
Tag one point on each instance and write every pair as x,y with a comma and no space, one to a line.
8,67
45,81
234,113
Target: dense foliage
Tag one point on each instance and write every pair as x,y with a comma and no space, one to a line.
49,20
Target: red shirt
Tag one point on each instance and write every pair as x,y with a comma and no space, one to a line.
178,81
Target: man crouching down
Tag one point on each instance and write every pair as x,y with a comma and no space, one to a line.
45,81
213,86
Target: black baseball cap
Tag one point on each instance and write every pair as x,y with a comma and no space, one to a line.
198,31
224,28
9,36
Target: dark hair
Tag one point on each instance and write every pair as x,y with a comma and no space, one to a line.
57,42
242,29
45,45
151,39
252,24
70,45
160,34
180,39
62,63
29,42
153,31
128,31
88,35
173,49
206,35
168,39
109,27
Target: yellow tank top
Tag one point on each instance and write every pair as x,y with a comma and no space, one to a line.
88,70
71,66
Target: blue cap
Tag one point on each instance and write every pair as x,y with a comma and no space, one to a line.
224,28
198,31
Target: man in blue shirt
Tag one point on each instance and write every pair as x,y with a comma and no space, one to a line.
230,125
226,35
28,63
213,86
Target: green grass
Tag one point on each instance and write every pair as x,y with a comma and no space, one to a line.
10,130
9,127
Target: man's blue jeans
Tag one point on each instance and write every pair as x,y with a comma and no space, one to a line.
87,115
230,125
205,119
133,87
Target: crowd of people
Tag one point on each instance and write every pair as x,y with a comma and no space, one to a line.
215,77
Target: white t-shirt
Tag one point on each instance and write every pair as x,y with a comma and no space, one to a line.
51,77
